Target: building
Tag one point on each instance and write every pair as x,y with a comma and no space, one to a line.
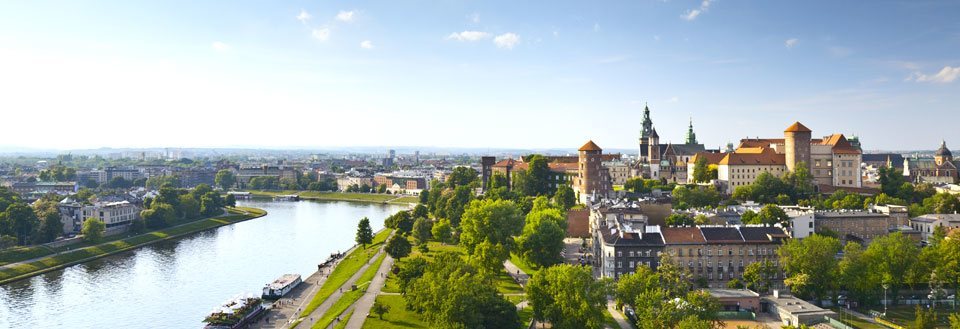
401,182
802,221
343,182
794,311
620,171
832,160
191,177
927,223
854,225
247,172
941,169
736,300
561,173
664,161
623,240
31,189
113,214
718,254
593,180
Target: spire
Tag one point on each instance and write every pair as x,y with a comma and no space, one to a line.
647,123
691,136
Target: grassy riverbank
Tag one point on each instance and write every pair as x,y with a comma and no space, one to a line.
84,254
345,269
343,196
350,298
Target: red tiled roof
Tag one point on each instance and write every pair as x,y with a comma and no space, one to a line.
797,127
682,235
712,158
590,146
765,156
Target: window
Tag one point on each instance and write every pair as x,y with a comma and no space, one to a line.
619,254
632,265
619,264
810,225
631,253
648,253
731,252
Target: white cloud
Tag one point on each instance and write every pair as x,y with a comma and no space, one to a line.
322,33
304,16
673,99
507,40
220,46
692,14
946,75
345,16
468,36
790,43
366,44
475,18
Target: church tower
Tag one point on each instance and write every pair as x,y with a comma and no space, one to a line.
653,153
646,127
943,154
589,173
691,136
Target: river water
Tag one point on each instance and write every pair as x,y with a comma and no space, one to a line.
175,284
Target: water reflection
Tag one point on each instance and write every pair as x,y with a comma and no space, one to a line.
173,284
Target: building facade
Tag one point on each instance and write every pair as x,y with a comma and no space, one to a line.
717,254
664,161
941,169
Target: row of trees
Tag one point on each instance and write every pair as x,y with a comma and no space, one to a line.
173,206
666,297
893,261
23,224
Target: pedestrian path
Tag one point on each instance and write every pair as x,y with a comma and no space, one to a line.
612,307
519,275
310,319
362,307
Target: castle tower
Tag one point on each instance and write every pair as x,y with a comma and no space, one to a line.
589,170
943,154
691,136
646,127
796,140
653,153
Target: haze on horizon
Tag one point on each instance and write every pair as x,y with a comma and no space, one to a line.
473,74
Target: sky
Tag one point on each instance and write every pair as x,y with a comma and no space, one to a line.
479,74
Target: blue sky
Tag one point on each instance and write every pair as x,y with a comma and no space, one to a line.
503,74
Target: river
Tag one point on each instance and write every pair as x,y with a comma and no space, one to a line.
174,284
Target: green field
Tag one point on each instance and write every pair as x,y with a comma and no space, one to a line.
352,297
397,317
19,254
524,266
345,269
905,315
83,254
342,196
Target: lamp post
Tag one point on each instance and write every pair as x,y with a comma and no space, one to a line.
885,301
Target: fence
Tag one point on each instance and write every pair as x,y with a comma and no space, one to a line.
837,324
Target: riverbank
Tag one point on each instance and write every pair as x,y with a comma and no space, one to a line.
23,270
343,196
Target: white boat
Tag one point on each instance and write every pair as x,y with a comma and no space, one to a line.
281,286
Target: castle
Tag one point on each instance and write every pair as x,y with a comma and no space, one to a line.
664,161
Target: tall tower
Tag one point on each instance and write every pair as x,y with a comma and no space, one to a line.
653,153
646,127
589,169
691,136
796,142
943,154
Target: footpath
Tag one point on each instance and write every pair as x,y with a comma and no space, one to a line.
362,307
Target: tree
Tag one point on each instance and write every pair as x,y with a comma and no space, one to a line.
565,197
20,221
412,269
678,219
695,197
364,232
693,322
891,257
855,274
454,294
891,180
772,214
188,208
567,296
701,170
810,265
398,247
925,319
749,217
420,211
137,226
955,321
230,200
757,275
487,232
462,176
942,203
50,225
93,230
422,230
159,215
535,181
542,238
442,232
380,309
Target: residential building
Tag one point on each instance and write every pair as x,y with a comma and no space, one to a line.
718,254
113,214
927,223
736,300
401,182
623,240
854,225
281,172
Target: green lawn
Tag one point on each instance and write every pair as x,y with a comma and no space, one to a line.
81,254
506,284
397,317
855,321
19,254
343,324
345,269
406,200
526,315
523,264
350,298
905,315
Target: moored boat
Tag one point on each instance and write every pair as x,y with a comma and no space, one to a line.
286,197
281,286
235,313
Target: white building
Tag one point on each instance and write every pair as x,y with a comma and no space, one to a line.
802,223
926,224
113,214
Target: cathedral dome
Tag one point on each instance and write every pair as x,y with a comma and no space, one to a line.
943,151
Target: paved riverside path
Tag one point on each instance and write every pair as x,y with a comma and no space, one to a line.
362,307
313,317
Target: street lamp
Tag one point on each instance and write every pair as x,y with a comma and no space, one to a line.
885,301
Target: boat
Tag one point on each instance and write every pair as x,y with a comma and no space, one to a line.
281,286
286,197
235,313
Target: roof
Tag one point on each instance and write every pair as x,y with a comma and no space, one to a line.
797,127
590,146
682,235
613,237
935,217
721,234
762,234
943,150
731,293
895,159
766,157
712,158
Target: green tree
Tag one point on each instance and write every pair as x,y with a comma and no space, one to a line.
159,215
891,257
420,211
380,309
695,197
462,176
49,216
422,230
772,214
565,197
890,180
188,208
93,230
364,232
942,203
701,170
678,219
535,181
230,200
20,221
567,296
811,265
487,232
749,217
441,231
137,226
758,275
398,247
541,240
855,274
925,319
